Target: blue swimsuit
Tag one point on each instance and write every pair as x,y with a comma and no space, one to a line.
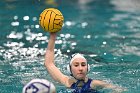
83,89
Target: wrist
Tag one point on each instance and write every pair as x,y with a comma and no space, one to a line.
53,36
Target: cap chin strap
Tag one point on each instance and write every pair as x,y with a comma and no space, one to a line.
70,72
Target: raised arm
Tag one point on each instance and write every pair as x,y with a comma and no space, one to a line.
55,73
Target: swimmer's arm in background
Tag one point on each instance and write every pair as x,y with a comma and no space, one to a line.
55,73
97,84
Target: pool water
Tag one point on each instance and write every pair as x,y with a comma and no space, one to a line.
105,31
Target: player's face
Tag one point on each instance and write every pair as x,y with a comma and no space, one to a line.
79,68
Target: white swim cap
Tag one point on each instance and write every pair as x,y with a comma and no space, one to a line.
39,86
77,56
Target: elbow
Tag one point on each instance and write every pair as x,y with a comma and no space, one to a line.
48,64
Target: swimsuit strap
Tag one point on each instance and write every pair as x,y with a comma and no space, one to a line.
83,89
85,86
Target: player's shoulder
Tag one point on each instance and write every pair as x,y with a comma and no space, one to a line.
69,81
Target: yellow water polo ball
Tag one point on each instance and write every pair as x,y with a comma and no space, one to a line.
51,20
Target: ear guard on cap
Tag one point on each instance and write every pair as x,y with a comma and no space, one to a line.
88,69
69,69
